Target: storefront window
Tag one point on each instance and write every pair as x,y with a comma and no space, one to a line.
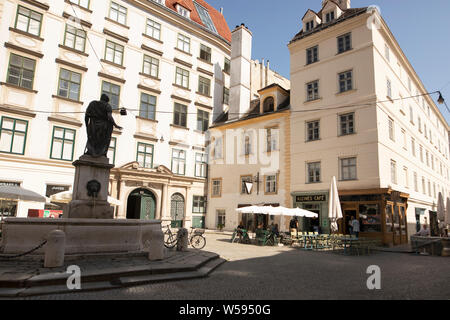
370,218
389,218
8,208
396,220
403,215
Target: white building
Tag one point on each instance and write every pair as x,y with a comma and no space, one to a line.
166,62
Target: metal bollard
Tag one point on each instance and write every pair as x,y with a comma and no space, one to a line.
182,237
55,249
156,246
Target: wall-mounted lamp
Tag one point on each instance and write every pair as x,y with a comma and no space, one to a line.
123,112
441,98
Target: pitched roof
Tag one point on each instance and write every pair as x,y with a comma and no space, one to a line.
217,18
349,13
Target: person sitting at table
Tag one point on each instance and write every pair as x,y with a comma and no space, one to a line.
424,232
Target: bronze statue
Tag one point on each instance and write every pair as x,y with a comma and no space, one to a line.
99,126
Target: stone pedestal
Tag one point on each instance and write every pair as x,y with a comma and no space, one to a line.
90,189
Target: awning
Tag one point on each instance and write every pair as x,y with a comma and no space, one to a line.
278,211
19,193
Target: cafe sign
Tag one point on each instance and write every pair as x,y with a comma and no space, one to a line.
311,198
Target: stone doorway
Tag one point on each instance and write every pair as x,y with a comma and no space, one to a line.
141,205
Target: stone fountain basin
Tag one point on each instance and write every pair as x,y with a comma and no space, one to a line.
83,236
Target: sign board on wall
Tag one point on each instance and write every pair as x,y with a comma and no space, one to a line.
311,198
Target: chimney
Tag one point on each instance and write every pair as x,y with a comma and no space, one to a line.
267,73
221,10
241,53
344,4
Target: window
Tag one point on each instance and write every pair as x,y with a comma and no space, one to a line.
147,109
113,92
413,147
75,38
201,165
269,105
81,3
347,125
69,84
199,205
404,139
313,130
344,43
216,190
150,66
118,13
314,172
205,17
429,188
272,139
28,21
13,135
416,183
312,55
393,172
405,174
145,155
205,53
432,162
411,115
179,162
271,184
63,142
310,25
421,153
247,146
21,71
183,11
114,52
387,52
424,186
329,16
182,78
217,150
153,29
419,122
312,91
244,181
227,66
221,218
204,85
425,131
391,129
226,95
388,89
180,115
348,169
112,150
427,158
346,81
184,43
202,120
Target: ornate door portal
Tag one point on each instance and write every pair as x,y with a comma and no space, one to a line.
141,205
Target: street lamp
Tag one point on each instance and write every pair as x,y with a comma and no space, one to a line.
441,98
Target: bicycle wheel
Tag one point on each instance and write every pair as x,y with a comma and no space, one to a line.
270,241
170,240
198,242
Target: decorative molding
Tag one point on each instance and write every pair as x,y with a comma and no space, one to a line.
26,34
21,49
147,137
82,22
118,23
38,4
199,148
115,35
17,87
65,120
72,65
198,104
73,50
180,98
140,86
151,38
184,63
67,99
107,76
179,144
154,51
17,110
205,72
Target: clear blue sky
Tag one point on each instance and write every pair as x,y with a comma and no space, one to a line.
422,28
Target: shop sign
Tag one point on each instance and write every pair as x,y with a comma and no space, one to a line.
52,189
311,198
9,184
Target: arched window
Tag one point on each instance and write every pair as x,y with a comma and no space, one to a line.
177,210
269,105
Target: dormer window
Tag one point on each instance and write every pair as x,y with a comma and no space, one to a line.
183,11
205,17
269,105
329,16
310,25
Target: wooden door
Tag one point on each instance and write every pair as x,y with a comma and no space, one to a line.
148,206
388,222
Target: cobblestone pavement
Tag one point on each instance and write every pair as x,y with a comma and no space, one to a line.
283,273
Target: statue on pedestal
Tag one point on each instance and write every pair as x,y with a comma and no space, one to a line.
99,126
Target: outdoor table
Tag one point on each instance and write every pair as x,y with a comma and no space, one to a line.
349,240
312,239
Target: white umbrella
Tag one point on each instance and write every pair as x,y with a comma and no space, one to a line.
334,206
447,216
441,208
19,193
66,197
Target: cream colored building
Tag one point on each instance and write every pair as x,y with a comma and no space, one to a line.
361,113
166,62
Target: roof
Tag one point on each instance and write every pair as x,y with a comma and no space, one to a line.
273,85
217,18
349,13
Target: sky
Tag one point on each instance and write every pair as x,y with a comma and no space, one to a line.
421,27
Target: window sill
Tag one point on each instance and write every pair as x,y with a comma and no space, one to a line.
181,87
228,73
314,182
68,99
204,95
18,87
113,64
117,23
179,127
186,53
344,51
151,38
308,64
341,180
200,132
270,193
24,33
312,101
313,140
205,61
146,119
343,93
73,50
82,8
347,134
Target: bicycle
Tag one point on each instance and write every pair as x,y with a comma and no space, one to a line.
196,239
241,236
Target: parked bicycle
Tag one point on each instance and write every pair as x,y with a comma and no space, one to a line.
196,238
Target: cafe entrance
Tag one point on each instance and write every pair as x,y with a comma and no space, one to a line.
316,202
